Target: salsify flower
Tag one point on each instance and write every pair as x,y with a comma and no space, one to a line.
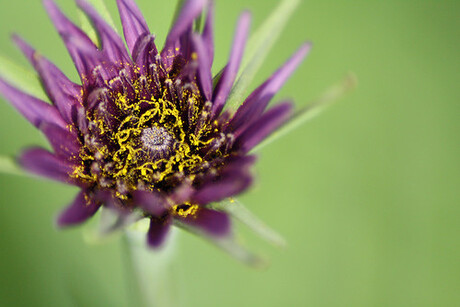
147,131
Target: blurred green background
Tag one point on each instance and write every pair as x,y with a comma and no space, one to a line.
367,194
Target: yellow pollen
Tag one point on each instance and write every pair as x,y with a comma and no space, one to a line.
185,210
123,154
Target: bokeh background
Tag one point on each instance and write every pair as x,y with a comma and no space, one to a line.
367,194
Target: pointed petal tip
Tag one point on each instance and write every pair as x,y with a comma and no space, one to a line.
78,212
246,16
15,37
268,122
49,4
301,52
20,43
188,13
230,72
33,109
306,47
133,22
244,21
60,222
308,44
158,233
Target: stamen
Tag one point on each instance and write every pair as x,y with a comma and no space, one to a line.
171,90
179,90
204,116
128,87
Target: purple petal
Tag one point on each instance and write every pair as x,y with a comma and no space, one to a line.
151,202
204,67
182,193
144,52
208,32
112,43
26,49
188,13
41,162
229,184
94,64
264,126
133,22
231,70
64,142
188,72
62,92
33,109
178,40
214,223
158,230
256,103
67,29
241,163
79,211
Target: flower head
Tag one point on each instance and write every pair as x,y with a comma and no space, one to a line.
146,131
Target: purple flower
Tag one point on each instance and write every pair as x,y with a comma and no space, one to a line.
146,131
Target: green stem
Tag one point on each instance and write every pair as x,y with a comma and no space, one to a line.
150,273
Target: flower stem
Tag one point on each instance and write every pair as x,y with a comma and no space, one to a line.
150,274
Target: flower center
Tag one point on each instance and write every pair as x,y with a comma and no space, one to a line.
157,142
150,133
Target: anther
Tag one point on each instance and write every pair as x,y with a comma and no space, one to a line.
172,92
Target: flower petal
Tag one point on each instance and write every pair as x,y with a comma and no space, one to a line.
182,193
133,22
177,41
43,163
190,11
158,231
313,109
64,142
151,202
93,63
112,43
231,70
68,29
62,92
231,182
204,66
144,52
264,126
256,103
208,31
212,222
82,208
34,110
259,45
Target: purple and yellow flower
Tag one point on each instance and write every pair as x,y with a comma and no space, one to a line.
147,131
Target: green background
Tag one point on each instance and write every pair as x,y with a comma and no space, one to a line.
367,194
